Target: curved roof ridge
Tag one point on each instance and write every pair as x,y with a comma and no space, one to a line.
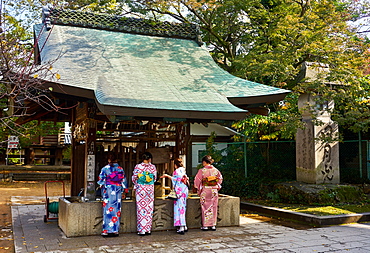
121,24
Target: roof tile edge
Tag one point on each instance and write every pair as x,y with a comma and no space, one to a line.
52,16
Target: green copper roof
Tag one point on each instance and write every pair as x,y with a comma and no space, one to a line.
141,75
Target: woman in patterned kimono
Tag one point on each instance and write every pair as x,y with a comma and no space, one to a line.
180,182
208,182
143,178
113,182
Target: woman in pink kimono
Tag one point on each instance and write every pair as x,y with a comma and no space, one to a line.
208,182
143,178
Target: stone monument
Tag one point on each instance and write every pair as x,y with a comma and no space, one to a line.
317,152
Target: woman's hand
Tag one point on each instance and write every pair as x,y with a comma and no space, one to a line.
165,176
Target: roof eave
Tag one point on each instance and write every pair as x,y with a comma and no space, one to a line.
256,101
111,110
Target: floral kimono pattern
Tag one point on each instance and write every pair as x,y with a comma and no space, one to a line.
113,182
143,178
208,182
182,191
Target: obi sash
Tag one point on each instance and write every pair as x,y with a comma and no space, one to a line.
145,178
115,178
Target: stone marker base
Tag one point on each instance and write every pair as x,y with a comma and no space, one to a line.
309,219
85,218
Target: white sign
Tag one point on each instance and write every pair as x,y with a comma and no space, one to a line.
13,142
90,168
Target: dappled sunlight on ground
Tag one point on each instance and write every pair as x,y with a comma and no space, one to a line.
13,189
256,218
22,193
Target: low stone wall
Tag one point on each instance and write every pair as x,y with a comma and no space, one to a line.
85,218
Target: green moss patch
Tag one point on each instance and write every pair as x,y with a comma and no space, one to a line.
320,210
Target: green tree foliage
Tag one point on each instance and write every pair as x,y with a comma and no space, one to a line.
281,123
20,77
353,108
263,160
268,40
101,6
211,150
30,131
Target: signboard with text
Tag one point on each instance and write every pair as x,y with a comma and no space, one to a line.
13,142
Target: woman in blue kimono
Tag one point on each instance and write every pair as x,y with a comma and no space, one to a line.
180,182
113,182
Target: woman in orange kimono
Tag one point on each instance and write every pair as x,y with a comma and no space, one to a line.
208,182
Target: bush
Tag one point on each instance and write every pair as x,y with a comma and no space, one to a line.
323,194
261,177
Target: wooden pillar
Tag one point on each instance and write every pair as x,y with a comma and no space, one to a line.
83,151
189,152
78,151
182,142
180,148
52,156
90,157
27,155
59,156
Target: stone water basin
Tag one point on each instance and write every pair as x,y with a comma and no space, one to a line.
79,218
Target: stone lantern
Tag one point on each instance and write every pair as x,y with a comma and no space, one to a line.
317,154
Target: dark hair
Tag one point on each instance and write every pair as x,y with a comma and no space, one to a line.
208,159
178,162
112,157
147,156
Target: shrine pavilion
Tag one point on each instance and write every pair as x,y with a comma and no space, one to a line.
131,85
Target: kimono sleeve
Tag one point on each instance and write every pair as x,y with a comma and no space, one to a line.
124,182
102,177
198,180
175,178
135,174
155,173
220,179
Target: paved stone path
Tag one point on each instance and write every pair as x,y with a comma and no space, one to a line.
32,234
